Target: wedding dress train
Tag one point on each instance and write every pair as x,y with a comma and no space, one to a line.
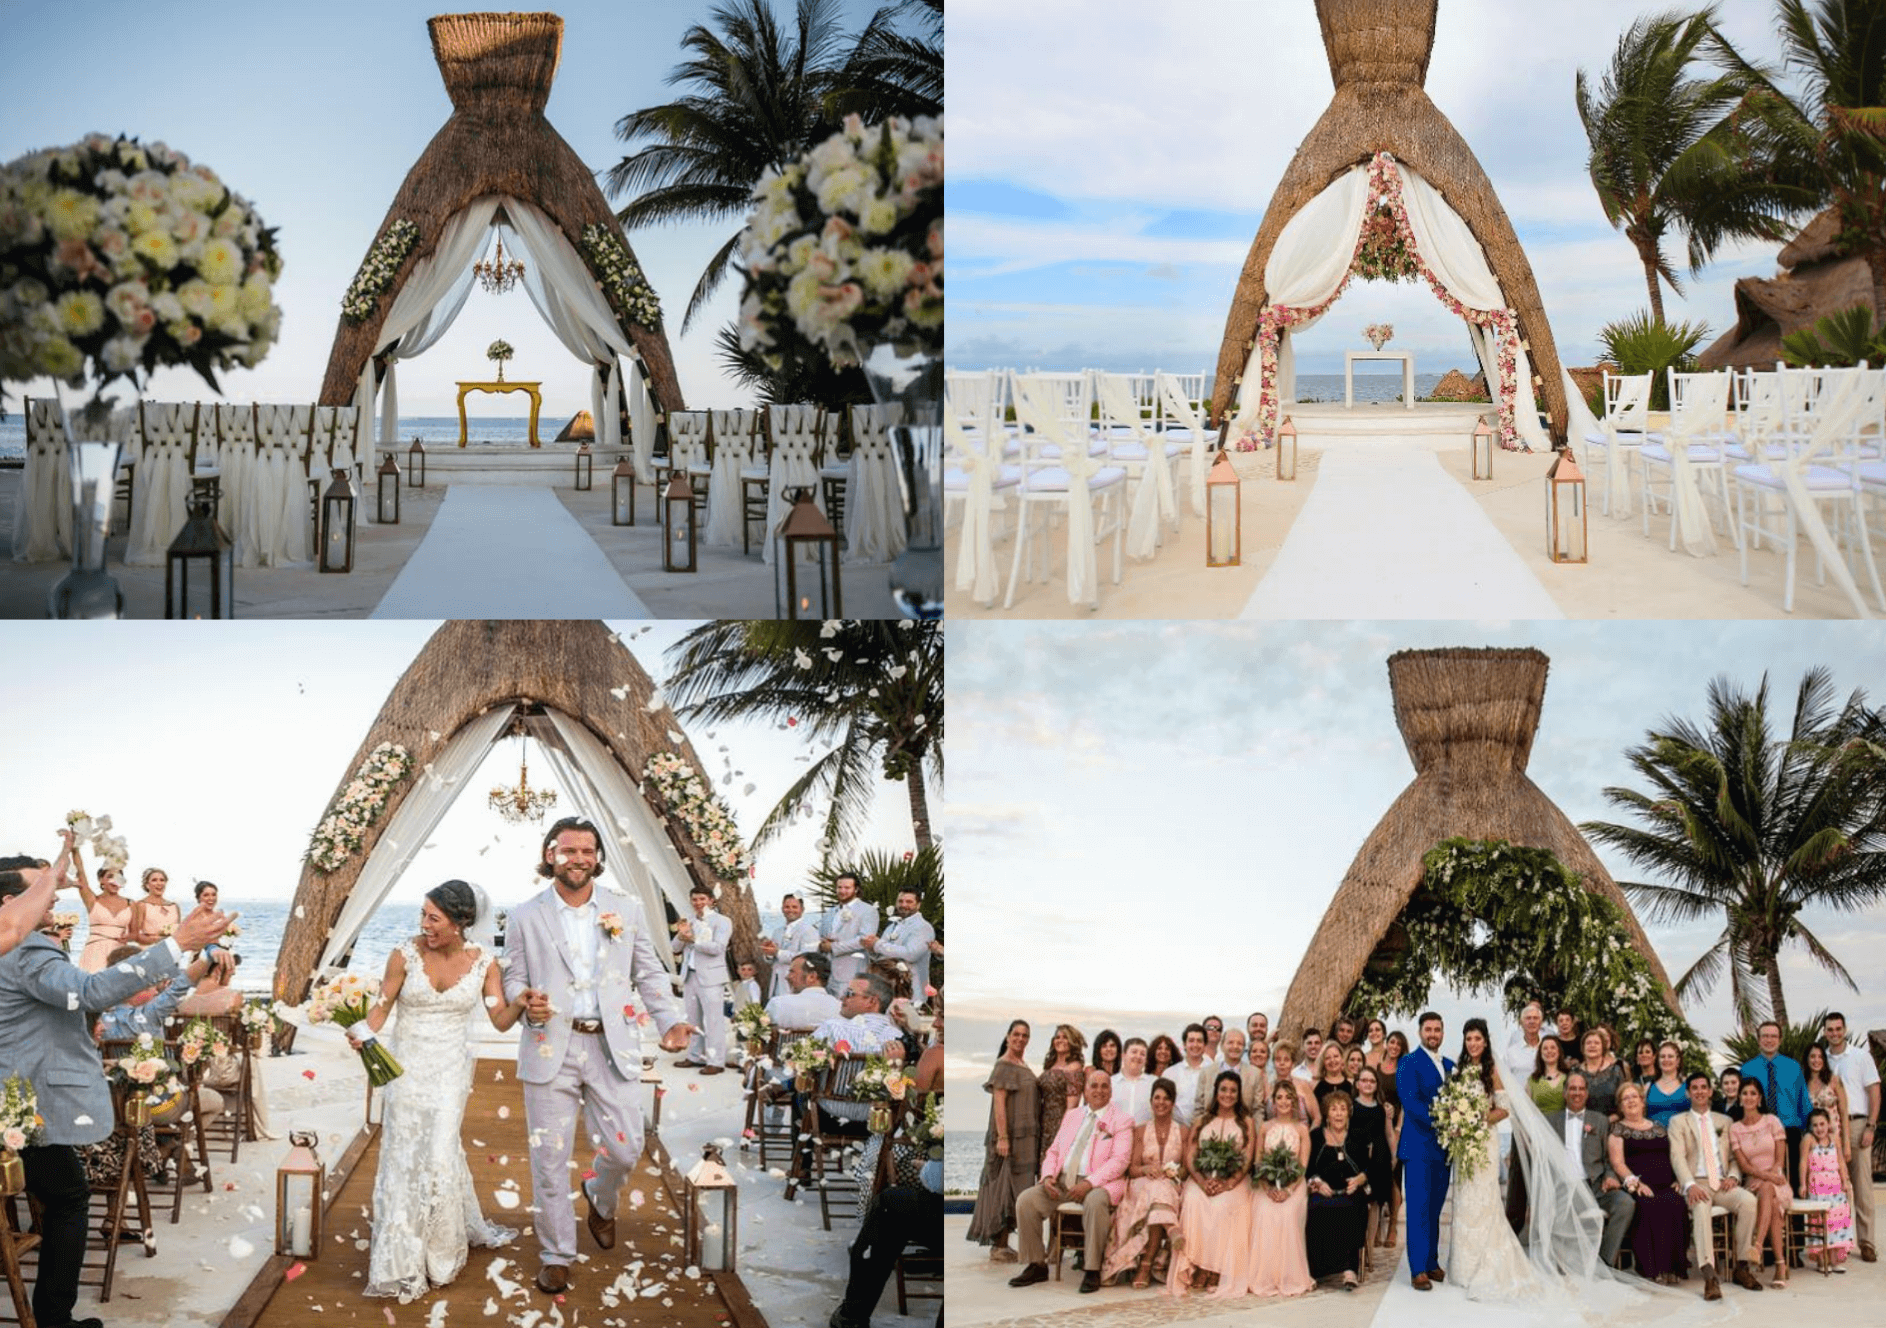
425,1211
1484,1256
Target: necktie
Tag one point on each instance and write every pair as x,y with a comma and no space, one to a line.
1774,1102
1708,1137
1070,1174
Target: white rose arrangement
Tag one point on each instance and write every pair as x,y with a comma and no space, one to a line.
627,290
1459,1113
344,828
844,249
706,818
377,269
117,257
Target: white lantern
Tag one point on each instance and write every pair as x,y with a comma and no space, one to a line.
1482,449
298,1185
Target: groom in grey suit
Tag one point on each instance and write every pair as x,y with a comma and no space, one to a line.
582,959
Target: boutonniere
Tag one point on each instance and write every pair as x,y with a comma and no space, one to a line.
611,924
1587,1129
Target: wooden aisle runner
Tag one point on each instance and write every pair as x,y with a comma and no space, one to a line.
640,1282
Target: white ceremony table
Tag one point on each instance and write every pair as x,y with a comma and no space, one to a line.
1349,358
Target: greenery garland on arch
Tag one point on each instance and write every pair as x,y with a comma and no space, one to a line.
1546,938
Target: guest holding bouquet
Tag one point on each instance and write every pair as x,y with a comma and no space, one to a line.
1825,1168
153,917
1149,1213
1640,1152
1338,1188
1280,1258
1062,1073
1010,1146
1215,1210
1761,1150
107,914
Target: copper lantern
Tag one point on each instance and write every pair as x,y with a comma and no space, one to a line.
337,523
677,532
388,477
200,567
1287,450
585,467
804,543
711,1222
622,493
1482,449
1565,510
1224,514
416,464
299,1181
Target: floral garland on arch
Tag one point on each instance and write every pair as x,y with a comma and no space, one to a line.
377,270
1372,256
344,828
709,824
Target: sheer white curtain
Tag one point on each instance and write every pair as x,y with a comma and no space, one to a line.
431,796
417,342
641,423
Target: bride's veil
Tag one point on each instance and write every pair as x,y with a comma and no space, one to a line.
483,931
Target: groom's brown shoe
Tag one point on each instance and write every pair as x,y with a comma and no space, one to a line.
553,1279
601,1229
1437,1274
1420,1282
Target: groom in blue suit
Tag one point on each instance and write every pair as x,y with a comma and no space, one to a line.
1425,1164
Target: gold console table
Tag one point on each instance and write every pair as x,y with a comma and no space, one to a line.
536,403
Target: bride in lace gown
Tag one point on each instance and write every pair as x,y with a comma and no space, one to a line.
425,1211
1484,1257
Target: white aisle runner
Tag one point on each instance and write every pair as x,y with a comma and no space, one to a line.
503,551
1387,533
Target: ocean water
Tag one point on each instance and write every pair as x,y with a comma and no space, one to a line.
962,1162
1369,387
433,430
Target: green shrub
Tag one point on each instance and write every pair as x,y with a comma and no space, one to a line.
1641,344
1838,341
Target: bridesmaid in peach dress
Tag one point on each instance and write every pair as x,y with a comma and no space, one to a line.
1215,1212
1151,1207
107,915
1280,1261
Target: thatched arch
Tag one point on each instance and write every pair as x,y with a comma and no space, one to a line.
1378,57
498,69
467,669
1468,718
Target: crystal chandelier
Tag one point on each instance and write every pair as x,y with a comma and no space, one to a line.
520,803
498,274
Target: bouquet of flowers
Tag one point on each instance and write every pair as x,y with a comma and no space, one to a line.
1383,253
199,1036
926,1130
752,1024
1459,1112
881,1081
1277,1167
844,249
95,830
807,1054
63,920
119,258
499,350
20,1121
256,1017
344,1000
1379,334
228,938
146,1070
1219,1158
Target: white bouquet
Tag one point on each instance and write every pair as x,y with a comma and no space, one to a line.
1459,1113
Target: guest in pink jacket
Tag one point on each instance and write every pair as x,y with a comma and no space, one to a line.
1086,1165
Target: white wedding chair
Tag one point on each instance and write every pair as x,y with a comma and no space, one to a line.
42,507
1620,433
235,460
690,453
733,455
1145,456
1062,471
1673,464
1184,422
976,477
794,463
283,521
340,426
161,483
872,515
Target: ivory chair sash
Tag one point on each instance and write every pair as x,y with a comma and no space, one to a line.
161,483
236,459
1619,433
1061,469
976,475
278,492
733,455
1692,446
874,516
794,464
1187,421
1140,451
42,506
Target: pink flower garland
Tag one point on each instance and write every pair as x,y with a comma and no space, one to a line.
1384,191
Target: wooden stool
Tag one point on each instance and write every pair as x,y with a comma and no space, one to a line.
1813,1229
1068,1223
1721,1242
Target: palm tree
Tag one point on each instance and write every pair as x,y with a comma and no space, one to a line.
1660,151
891,72
1829,141
1757,829
873,689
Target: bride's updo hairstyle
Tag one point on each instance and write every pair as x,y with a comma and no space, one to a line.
457,901
544,868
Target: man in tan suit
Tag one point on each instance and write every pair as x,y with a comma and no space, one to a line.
1231,1047
1712,1183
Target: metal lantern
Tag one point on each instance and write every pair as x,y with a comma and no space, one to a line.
805,540
337,523
1565,510
585,467
711,1224
622,493
200,569
1224,514
299,1181
1482,449
1287,450
388,475
416,464
678,534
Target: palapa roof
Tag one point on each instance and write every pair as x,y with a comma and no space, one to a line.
581,426
466,668
1378,54
1817,279
1468,718
498,69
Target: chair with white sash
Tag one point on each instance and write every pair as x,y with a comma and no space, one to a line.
42,507
340,425
797,440
733,455
1143,454
835,443
976,476
1061,470
1184,422
690,452
283,523
1620,433
1675,463
161,486
873,513
235,463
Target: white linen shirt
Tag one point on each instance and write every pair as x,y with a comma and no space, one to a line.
1135,1096
1857,1072
582,932
1185,1079
1519,1059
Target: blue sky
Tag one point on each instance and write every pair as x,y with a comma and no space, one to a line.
315,112
1148,820
1110,166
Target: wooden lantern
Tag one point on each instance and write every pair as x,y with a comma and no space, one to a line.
678,533
299,1181
388,477
711,1223
1482,449
585,467
337,523
1287,450
200,568
804,541
622,493
1224,514
1565,510
416,464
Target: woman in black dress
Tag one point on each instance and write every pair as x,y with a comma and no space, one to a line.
1640,1153
1393,1050
1368,1133
1338,1220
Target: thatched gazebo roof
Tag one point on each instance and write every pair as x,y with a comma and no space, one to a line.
465,669
498,69
580,427
1378,57
1817,278
1468,718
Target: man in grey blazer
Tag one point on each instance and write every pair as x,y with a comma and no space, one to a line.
907,938
46,1008
583,960
701,941
1584,1133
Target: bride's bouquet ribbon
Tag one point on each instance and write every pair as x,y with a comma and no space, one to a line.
345,1000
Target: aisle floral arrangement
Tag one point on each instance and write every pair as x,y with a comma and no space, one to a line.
708,822
844,250
752,1025
200,1036
146,1070
1459,1113
117,257
344,1000
344,828
806,1055
880,1080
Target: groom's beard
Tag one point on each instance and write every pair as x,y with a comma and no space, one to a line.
574,878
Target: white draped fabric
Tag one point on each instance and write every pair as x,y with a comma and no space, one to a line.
733,453
874,517
433,791
161,483
279,487
1582,422
641,425
42,506
1706,402
234,430
1038,405
1153,501
1177,405
1312,256
417,342
1835,416
795,464
980,456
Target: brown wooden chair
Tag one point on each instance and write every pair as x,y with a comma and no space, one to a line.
18,1238
115,1199
919,1266
774,1138
237,1123
831,1135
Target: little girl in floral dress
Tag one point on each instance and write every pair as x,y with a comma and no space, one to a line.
1826,1173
